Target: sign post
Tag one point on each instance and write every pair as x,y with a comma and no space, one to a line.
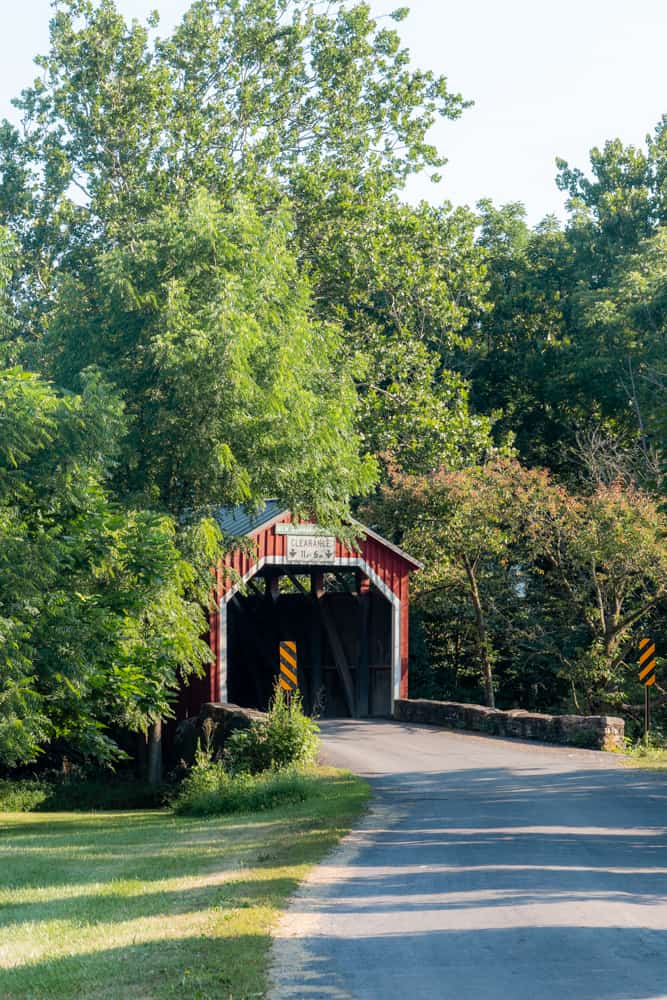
647,677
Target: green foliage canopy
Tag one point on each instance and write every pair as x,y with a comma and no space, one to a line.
280,102
99,612
233,391
532,584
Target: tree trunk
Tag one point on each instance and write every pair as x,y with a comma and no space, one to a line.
487,666
141,759
155,753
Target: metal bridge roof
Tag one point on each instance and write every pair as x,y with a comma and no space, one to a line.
243,521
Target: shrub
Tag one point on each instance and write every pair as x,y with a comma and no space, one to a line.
653,749
211,790
103,793
62,794
23,796
285,737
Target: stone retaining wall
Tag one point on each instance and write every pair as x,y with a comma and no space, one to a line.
215,722
597,732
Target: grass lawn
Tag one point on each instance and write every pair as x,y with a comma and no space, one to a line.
651,759
140,905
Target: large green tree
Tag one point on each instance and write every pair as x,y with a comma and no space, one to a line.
571,346
234,392
541,591
272,98
403,282
164,196
520,342
603,557
281,102
100,614
465,527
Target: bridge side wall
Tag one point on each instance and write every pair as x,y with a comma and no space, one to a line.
596,732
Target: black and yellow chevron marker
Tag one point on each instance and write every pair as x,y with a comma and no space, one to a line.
647,662
288,670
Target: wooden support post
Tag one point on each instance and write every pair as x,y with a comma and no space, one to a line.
363,671
340,659
273,586
316,592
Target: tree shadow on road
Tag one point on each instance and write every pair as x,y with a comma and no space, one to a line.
532,881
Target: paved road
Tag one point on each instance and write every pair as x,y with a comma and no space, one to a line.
486,869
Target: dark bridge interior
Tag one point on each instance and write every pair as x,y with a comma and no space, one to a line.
342,627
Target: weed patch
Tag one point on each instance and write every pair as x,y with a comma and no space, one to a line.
212,791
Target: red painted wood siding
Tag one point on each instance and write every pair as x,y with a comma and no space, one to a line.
390,567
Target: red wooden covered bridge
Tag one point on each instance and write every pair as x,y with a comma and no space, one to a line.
345,608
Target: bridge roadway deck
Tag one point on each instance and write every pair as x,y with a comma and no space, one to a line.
485,869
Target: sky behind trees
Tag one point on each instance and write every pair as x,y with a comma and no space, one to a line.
547,81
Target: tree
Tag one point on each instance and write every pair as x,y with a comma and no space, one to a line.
265,97
100,614
616,235
162,194
540,590
604,559
612,210
403,282
283,101
462,526
233,391
521,342
623,329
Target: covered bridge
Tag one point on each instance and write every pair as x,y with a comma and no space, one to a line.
345,608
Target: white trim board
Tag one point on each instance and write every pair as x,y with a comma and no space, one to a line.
340,562
276,519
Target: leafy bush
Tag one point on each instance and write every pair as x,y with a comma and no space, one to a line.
23,796
211,790
62,794
285,737
103,794
653,749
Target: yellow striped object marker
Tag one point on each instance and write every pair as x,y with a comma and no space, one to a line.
647,662
288,679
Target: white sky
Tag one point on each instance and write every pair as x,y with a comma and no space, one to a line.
548,79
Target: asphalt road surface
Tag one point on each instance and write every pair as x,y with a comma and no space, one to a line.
486,868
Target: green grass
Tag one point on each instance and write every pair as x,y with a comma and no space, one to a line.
150,905
212,791
651,758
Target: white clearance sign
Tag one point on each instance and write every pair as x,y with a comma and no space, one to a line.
306,544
